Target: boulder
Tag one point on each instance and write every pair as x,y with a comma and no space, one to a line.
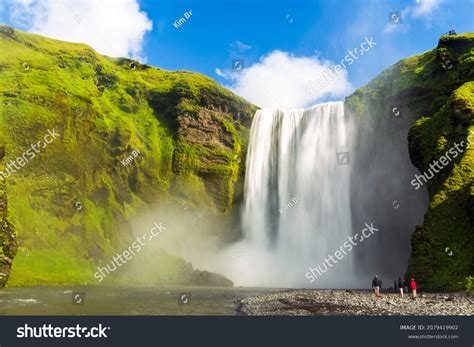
211,279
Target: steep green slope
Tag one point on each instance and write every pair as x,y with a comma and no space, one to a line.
8,237
71,203
434,93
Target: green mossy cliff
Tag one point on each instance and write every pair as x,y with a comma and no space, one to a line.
434,92
72,202
8,243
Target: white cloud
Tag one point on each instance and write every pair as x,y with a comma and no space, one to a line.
425,10
115,28
224,74
280,80
240,46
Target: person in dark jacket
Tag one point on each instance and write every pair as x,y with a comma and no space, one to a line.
376,285
401,284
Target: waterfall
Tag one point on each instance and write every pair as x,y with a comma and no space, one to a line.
297,197
313,181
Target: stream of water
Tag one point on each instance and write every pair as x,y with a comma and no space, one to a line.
123,300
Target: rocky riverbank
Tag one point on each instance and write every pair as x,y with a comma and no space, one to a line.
308,302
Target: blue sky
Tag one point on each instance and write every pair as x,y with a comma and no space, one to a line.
316,34
329,27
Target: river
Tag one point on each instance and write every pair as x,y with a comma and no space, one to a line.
123,300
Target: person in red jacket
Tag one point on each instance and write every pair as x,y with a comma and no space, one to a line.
413,287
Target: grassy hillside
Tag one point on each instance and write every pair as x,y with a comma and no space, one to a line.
71,204
435,93
8,236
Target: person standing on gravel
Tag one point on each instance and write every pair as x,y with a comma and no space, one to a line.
401,284
413,287
376,285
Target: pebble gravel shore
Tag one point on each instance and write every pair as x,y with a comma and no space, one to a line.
355,303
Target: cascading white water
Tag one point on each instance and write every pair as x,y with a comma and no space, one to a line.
297,198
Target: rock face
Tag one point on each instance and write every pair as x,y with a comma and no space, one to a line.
8,243
72,203
432,94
